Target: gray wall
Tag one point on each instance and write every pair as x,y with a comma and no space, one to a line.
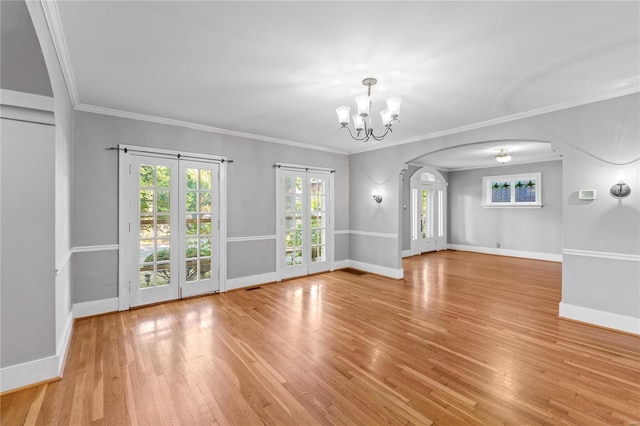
27,287
595,139
251,188
22,67
371,172
533,230
36,194
604,225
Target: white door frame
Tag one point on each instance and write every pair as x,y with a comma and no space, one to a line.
125,205
439,183
281,171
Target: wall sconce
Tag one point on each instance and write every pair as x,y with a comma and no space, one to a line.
620,190
377,197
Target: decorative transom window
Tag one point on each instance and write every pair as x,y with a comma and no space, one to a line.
523,190
427,177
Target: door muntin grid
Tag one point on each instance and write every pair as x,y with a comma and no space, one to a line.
318,216
154,218
198,247
294,223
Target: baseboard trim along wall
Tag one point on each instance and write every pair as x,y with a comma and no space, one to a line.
552,257
39,370
251,280
341,264
21,375
600,318
95,307
397,274
406,253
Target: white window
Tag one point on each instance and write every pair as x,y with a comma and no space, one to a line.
522,190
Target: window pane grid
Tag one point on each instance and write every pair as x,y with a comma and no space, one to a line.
512,190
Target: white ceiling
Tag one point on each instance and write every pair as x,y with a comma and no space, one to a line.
483,154
279,69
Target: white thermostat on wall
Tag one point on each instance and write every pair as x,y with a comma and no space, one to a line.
587,194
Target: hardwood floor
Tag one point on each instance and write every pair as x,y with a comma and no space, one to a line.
464,338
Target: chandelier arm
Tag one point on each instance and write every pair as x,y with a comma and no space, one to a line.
362,139
388,129
379,138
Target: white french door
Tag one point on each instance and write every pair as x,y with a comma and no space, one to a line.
428,215
154,199
304,231
199,228
171,248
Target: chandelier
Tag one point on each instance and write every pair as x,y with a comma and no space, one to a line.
361,123
503,156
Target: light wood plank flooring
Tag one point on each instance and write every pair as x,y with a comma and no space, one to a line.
464,339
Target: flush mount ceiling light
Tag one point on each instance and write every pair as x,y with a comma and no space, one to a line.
503,156
361,122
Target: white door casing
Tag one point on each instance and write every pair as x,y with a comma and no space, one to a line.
428,211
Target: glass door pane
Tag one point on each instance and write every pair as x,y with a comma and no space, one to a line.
318,212
292,208
427,209
294,226
303,218
155,198
200,216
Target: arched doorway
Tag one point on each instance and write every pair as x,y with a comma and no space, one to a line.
428,211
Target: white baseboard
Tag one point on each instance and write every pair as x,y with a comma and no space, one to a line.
601,318
38,370
235,283
269,277
377,269
341,264
63,343
95,307
552,257
20,375
406,253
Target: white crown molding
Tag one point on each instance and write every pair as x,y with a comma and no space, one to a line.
52,16
202,127
506,118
